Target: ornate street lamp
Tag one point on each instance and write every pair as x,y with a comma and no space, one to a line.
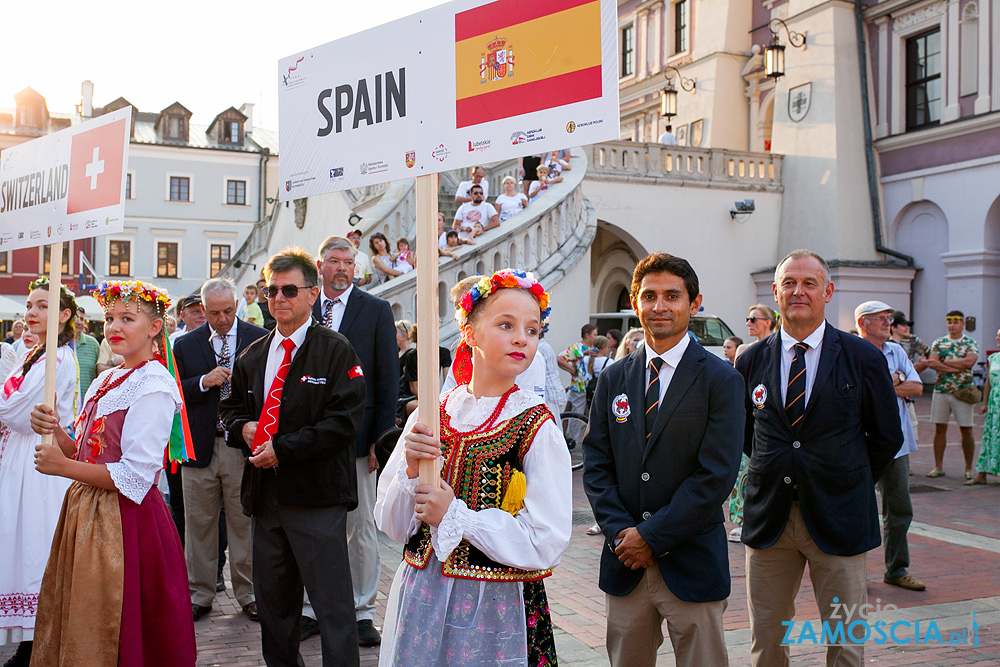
774,53
668,96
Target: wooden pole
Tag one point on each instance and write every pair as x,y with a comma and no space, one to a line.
428,360
52,329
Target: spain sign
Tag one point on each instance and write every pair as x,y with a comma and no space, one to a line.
464,83
67,185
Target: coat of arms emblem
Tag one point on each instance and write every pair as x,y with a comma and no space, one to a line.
620,408
759,395
411,159
497,62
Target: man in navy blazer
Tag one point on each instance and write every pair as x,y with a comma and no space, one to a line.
821,426
205,359
660,458
366,321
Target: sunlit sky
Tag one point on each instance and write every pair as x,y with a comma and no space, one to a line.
207,55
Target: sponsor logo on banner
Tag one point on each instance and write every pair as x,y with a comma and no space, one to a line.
20,235
90,224
440,153
294,182
411,159
337,172
95,168
36,234
497,62
288,186
293,77
571,127
518,138
588,123
73,226
532,135
374,167
480,145
49,230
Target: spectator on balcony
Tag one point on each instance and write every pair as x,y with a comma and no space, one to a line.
475,211
557,162
511,202
464,194
668,138
403,336
529,173
543,182
381,259
362,262
403,260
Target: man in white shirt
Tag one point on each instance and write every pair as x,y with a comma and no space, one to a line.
874,320
476,211
462,195
362,262
668,138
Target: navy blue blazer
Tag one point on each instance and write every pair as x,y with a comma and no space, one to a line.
369,327
195,357
849,433
673,486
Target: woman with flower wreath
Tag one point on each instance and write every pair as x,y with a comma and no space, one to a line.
115,590
470,589
29,500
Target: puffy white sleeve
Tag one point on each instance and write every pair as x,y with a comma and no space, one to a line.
394,505
15,410
144,436
536,538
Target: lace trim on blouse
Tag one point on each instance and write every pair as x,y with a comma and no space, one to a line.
143,381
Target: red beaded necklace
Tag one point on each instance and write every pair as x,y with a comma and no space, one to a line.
108,385
486,425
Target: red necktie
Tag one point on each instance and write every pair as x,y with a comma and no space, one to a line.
268,424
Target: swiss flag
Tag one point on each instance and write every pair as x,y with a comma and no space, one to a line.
95,168
355,372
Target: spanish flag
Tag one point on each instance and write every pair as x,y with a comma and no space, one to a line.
514,57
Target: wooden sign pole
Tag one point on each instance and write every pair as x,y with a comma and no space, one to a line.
428,359
52,329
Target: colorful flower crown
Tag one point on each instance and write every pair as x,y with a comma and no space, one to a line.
107,293
43,281
504,278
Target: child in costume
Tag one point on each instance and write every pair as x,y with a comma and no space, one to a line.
29,500
470,591
115,590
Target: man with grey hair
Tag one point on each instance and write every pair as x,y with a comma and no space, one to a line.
874,320
214,477
822,425
366,321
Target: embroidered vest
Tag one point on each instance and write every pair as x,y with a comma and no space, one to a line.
478,468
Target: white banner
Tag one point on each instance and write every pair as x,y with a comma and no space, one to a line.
67,185
461,84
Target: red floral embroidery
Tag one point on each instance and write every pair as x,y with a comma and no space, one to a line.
18,604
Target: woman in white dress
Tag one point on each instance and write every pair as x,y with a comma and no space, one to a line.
470,590
30,501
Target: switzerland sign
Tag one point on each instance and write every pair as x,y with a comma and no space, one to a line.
67,185
461,84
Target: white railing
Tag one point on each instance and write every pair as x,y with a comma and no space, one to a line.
548,238
708,167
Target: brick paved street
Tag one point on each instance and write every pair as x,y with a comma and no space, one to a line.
954,549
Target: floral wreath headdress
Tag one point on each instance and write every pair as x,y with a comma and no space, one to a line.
504,278
43,281
109,292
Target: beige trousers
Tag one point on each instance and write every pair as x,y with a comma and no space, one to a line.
635,626
773,578
205,490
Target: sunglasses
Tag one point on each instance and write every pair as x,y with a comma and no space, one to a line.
289,291
754,320
954,318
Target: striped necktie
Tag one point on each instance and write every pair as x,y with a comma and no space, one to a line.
653,393
795,395
328,314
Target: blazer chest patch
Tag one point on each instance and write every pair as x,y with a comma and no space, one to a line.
620,408
759,395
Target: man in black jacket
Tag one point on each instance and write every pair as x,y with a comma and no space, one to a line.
297,403
821,426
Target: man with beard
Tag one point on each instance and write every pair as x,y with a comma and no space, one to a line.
366,321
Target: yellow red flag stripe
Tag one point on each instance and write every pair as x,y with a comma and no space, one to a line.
504,13
529,97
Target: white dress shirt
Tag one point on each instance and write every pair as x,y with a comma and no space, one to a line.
276,353
216,342
815,343
339,306
671,358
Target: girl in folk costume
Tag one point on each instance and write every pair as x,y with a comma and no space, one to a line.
29,500
469,591
115,589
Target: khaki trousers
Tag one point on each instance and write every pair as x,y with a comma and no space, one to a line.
773,578
205,491
635,626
